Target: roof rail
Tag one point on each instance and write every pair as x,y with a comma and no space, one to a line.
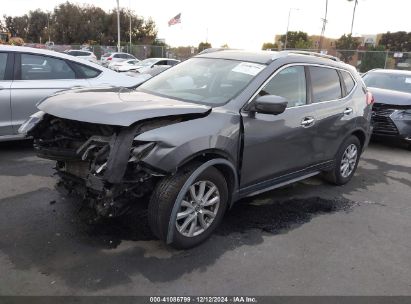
287,52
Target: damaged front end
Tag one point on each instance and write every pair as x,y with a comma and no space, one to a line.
101,163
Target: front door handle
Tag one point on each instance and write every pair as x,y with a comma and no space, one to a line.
307,122
347,111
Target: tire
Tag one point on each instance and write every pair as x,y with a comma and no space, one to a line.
164,198
337,175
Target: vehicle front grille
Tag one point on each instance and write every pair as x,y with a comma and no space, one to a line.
381,121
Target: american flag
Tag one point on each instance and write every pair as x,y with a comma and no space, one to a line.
175,20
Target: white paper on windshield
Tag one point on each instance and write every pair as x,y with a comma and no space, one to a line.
249,68
407,80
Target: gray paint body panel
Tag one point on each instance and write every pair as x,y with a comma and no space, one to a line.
119,107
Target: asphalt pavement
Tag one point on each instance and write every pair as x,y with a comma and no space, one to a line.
310,238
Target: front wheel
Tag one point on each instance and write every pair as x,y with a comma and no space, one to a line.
199,212
346,162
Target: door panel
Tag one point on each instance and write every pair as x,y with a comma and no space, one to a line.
25,94
5,108
277,144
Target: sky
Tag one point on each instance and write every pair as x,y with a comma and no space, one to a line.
247,24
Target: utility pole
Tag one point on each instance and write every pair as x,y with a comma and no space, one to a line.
288,25
48,26
353,15
118,25
323,28
129,12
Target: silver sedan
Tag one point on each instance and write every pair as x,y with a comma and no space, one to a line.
28,75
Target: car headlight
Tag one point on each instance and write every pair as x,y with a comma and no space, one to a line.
402,115
30,123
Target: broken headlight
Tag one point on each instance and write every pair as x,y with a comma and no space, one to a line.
402,114
30,123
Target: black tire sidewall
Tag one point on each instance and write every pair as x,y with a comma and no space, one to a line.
213,175
339,178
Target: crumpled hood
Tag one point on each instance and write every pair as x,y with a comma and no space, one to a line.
115,106
390,97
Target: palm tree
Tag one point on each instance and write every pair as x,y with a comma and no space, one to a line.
353,14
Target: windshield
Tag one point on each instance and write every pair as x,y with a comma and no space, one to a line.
396,82
204,80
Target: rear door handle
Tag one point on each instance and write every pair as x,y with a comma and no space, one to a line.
307,122
347,111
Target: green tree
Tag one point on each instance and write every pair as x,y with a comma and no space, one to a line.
373,59
294,38
346,46
398,41
37,27
303,44
17,26
269,46
76,24
204,45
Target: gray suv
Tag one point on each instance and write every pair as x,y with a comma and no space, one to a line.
216,128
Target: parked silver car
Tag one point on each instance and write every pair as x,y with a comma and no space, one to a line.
28,75
83,54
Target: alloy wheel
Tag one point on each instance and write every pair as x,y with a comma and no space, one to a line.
198,208
348,161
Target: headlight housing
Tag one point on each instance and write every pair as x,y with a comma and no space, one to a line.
30,123
402,114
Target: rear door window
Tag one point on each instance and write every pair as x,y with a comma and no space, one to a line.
348,81
39,67
88,72
325,84
3,62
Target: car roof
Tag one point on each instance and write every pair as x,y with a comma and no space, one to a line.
80,51
391,71
266,57
258,56
24,49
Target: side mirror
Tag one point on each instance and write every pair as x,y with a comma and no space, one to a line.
270,104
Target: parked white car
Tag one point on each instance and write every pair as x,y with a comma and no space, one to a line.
147,64
123,66
108,58
28,75
83,54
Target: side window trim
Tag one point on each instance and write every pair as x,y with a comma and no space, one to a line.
342,85
309,89
9,69
17,66
247,105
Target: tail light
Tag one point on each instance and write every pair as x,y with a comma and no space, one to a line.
369,98
109,58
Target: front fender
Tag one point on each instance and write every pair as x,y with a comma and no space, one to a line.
177,143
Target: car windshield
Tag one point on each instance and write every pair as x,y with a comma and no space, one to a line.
204,80
396,82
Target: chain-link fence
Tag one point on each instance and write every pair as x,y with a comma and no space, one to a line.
139,51
364,60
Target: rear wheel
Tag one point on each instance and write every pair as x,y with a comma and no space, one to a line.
199,212
346,162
